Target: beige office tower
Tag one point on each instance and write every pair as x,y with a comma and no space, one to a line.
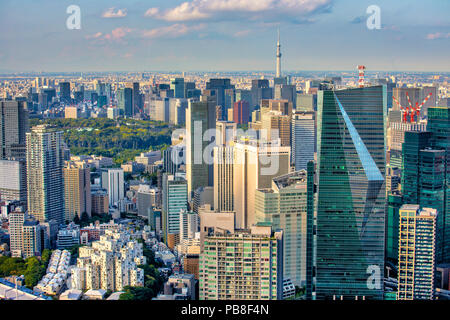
200,118
283,105
245,265
416,252
284,206
225,132
255,164
77,191
223,178
45,162
275,126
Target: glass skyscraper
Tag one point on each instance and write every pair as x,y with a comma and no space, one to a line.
351,193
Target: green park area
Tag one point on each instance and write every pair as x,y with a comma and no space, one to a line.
120,139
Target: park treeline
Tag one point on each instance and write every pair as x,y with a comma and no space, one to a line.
121,139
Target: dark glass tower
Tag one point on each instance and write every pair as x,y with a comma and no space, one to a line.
439,125
351,193
125,101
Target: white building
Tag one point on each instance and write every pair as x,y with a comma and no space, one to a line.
113,182
109,264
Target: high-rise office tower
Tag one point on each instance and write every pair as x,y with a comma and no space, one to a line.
416,247
189,225
255,164
286,92
351,192
439,125
303,138
125,101
225,132
13,127
219,86
257,276
395,138
159,109
200,119
394,203
284,206
113,183
284,106
137,101
241,111
64,92
260,90
174,191
45,162
177,111
13,180
77,191
424,182
275,125
177,85
223,178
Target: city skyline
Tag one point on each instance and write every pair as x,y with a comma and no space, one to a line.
223,35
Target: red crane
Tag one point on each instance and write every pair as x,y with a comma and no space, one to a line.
419,107
405,111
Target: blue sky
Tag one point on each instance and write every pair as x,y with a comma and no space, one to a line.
223,35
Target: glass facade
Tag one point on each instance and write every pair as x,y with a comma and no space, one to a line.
439,125
351,192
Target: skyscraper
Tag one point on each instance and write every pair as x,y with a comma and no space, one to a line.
303,138
13,180
223,178
439,125
45,162
241,112
177,85
13,128
174,191
284,206
351,193
64,92
200,119
77,191
113,183
255,164
219,86
416,245
424,182
125,101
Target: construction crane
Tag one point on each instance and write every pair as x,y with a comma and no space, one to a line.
411,109
419,107
404,110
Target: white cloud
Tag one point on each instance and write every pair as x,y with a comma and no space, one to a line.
438,35
151,12
172,31
112,13
252,9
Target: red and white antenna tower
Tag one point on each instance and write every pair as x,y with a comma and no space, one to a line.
361,76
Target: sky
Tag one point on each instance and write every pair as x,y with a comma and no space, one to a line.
223,35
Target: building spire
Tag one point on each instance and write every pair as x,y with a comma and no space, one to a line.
278,74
